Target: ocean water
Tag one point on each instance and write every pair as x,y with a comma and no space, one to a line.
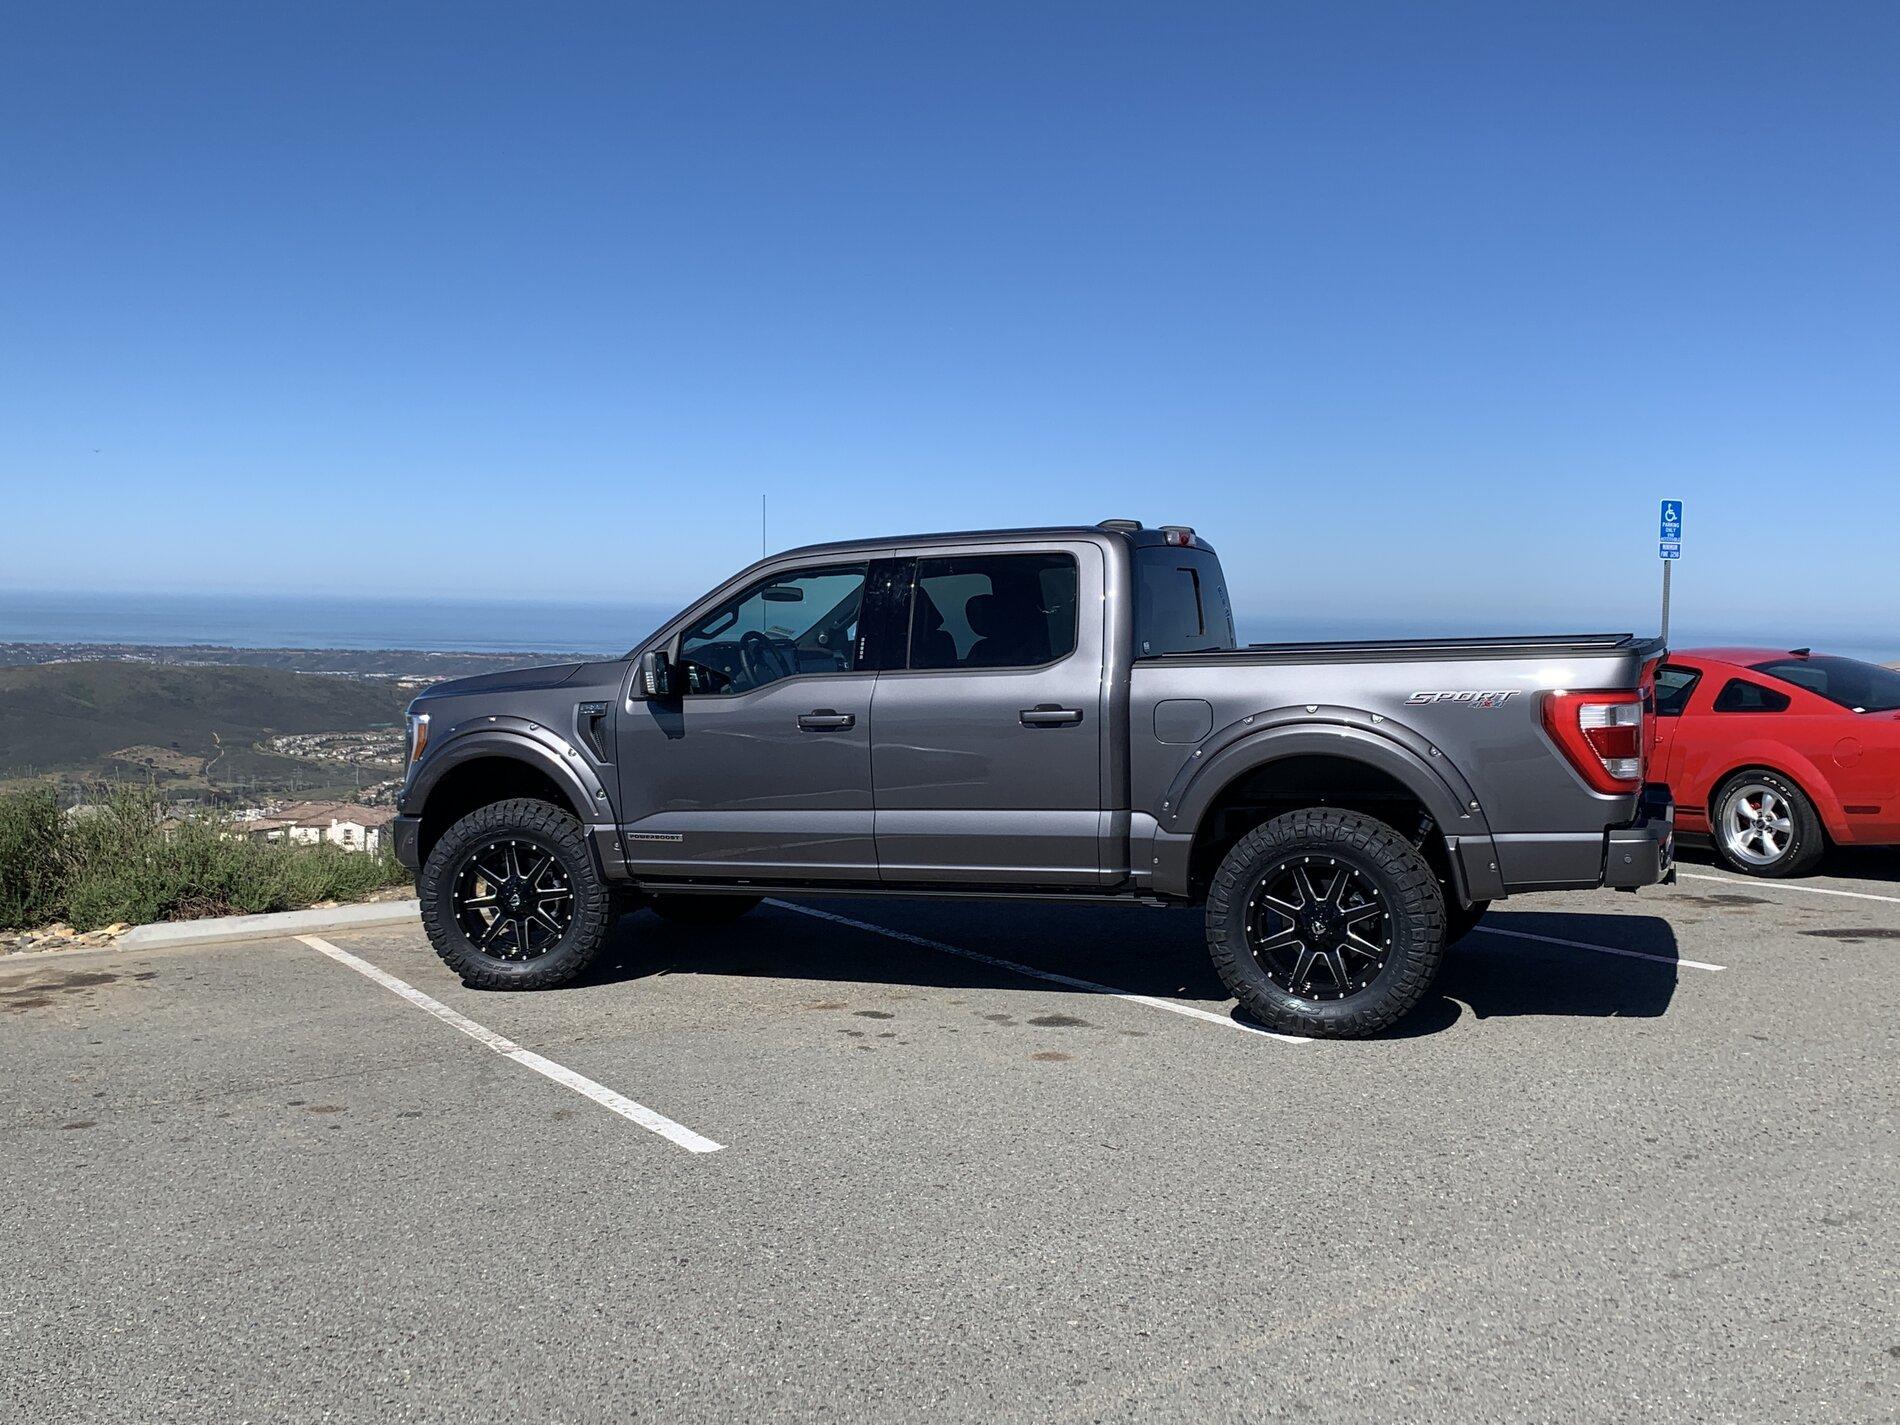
292,621
599,629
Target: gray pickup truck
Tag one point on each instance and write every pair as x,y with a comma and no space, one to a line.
1059,714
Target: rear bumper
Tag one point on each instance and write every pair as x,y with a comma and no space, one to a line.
1644,852
1640,852
405,837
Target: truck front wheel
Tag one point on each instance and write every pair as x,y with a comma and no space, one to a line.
1326,923
512,899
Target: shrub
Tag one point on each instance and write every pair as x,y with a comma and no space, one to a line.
29,857
122,861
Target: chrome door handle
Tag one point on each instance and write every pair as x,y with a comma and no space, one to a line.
826,720
1049,715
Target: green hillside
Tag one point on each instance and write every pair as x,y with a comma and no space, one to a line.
72,717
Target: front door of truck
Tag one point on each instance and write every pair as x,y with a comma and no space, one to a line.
760,765
987,738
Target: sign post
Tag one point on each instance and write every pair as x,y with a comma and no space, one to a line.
1669,549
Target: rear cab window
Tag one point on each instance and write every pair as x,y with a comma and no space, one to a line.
1180,602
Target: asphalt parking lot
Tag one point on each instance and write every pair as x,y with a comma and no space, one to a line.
1634,1160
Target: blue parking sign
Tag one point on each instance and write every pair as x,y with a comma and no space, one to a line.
1670,549
1671,520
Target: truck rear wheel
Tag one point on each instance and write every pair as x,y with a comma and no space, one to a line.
1326,923
512,899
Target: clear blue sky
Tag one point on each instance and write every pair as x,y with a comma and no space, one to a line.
1409,308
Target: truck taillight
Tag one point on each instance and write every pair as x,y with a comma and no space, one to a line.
1601,733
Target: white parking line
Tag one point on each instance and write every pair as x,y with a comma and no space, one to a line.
1787,886
1600,949
634,1112
1030,970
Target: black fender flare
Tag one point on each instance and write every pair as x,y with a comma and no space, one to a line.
1354,734
518,739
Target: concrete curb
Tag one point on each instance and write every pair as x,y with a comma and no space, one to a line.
256,927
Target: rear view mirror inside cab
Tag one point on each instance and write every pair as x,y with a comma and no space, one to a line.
782,594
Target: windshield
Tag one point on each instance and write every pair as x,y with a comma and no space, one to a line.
1864,687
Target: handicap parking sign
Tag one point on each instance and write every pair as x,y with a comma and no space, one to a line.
1671,520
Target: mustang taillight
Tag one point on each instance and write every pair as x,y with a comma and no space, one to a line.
1602,735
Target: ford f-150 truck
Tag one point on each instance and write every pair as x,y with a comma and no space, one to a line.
1050,713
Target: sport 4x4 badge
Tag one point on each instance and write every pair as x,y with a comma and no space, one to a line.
1469,697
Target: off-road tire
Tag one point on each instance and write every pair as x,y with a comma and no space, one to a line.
1461,919
701,909
1407,888
550,828
1809,843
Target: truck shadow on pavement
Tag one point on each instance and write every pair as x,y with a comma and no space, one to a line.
1139,951
1494,975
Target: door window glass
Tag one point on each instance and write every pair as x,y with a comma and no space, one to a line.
993,611
1740,695
1673,686
790,624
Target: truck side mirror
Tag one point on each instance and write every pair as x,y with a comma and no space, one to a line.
656,674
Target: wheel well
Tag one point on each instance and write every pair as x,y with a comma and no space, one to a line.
478,782
1290,783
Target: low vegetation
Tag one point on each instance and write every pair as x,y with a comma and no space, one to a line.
120,860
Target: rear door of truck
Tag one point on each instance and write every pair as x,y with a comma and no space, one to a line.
986,722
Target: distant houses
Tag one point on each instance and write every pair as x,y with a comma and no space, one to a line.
347,824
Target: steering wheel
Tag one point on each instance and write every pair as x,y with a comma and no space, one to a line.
763,660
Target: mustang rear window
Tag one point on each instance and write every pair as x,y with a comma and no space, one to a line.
1864,687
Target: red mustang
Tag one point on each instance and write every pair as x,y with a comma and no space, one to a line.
1774,753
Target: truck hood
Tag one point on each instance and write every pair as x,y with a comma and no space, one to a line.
552,675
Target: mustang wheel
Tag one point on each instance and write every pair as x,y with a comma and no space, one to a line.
511,897
1765,826
1326,923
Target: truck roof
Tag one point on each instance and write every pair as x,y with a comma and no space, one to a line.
1133,532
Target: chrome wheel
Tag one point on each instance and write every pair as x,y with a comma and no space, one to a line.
513,899
1318,927
1757,824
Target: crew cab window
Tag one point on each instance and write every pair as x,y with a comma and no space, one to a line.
993,611
789,624
1741,696
1673,686
1864,687
1180,602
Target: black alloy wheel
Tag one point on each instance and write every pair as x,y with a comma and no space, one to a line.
1326,922
513,898
1317,927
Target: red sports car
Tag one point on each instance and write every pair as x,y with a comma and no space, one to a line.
1774,753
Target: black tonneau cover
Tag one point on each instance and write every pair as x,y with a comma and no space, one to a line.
1405,650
